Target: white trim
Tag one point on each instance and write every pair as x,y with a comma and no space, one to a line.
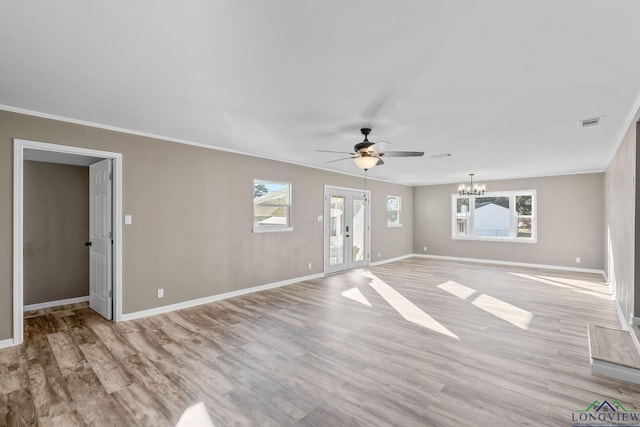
218,297
516,264
7,343
386,261
269,229
623,321
18,156
60,302
94,125
635,339
27,112
19,146
613,370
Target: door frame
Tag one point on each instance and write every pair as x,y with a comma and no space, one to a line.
19,147
367,194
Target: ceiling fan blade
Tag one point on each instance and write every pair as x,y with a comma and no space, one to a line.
403,153
380,162
329,151
337,160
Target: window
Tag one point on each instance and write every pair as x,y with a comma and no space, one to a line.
271,206
504,216
393,211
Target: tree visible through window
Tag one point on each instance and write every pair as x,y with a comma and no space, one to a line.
271,205
393,211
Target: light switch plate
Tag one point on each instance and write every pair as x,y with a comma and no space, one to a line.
127,219
319,218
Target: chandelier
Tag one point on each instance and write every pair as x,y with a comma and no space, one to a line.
471,189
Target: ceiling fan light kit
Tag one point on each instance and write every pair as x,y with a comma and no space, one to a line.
366,155
471,189
366,162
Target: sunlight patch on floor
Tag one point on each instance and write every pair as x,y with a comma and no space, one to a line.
600,292
454,288
355,295
406,308
195,416
583,284
503,310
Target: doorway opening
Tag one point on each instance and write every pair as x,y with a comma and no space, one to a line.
347,229
105,210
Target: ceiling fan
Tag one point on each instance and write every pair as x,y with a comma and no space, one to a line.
367,155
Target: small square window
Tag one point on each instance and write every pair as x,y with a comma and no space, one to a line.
271,206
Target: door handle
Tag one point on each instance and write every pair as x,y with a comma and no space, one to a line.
87,243
346,228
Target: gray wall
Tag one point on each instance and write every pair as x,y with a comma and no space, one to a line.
570,217
620,228
192,216
56,225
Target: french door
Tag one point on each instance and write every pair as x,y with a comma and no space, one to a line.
346,230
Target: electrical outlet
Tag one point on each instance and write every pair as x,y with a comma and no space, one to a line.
378,254
160,293
578,260
309,266
425,249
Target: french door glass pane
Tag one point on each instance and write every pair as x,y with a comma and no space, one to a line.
336,231
357,252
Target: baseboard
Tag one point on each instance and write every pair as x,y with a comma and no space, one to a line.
6,343
618,372
623,320
55,303
386,261
213,298
515,264
635,339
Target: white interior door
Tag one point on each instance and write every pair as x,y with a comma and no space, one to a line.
346,229
100,235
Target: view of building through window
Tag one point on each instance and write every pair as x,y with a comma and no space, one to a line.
504,216
271,204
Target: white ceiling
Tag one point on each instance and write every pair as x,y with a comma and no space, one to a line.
501,85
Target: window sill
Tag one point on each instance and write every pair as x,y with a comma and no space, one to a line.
394,225
258,230
497,239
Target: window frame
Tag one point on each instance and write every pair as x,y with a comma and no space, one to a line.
271,228
513,217
398,210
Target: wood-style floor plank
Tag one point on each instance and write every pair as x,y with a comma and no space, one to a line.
414,342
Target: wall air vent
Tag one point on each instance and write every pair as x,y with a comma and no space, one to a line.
440,156
590,121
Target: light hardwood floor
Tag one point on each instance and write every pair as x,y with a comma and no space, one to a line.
414,342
